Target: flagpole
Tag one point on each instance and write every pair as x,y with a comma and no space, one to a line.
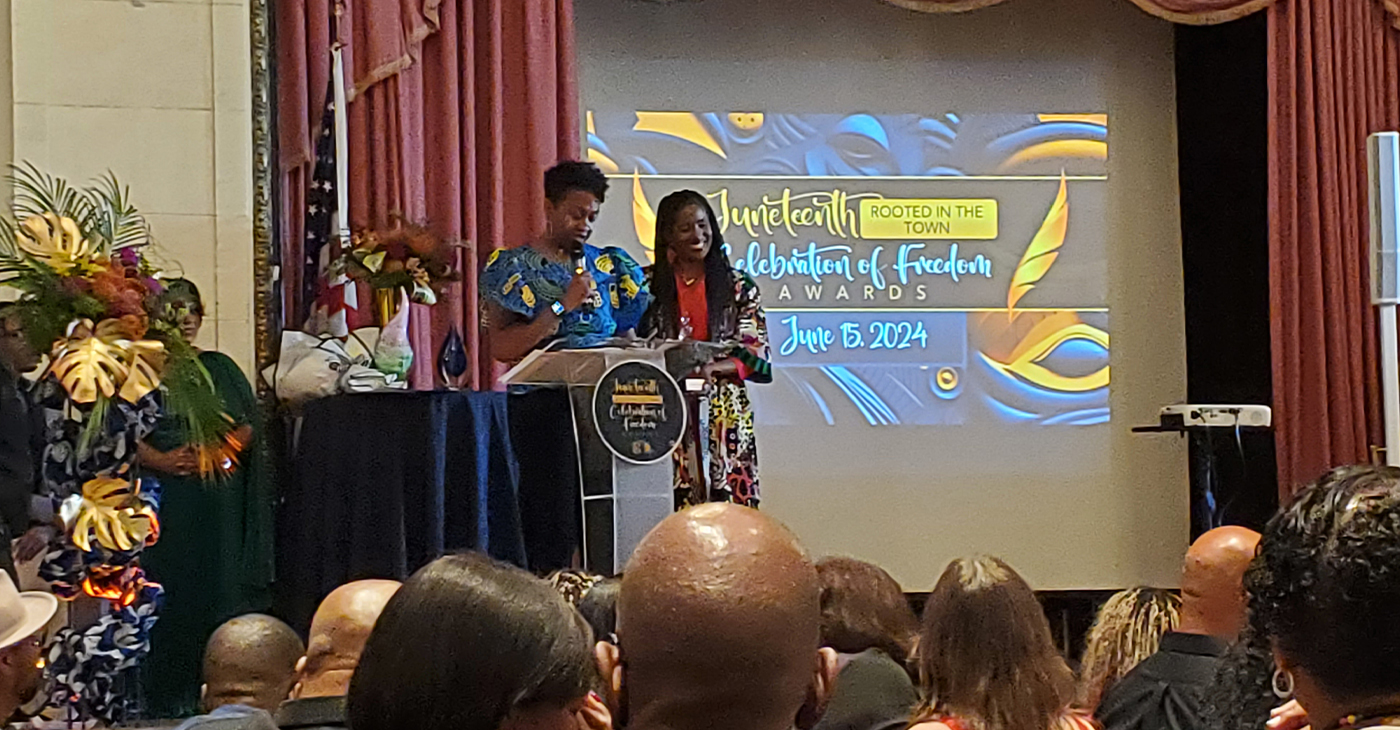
342,149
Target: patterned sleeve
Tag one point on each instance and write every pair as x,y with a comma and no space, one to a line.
511,283
753,354
631,295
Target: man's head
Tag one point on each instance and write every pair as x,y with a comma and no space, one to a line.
719,621
573,193
16,354
250,660
1212,582
23,617
338,633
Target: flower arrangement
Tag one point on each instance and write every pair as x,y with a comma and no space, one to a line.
92,299
408,257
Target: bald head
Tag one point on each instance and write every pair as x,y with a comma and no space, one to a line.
720,622
339,630
250,660
1212,590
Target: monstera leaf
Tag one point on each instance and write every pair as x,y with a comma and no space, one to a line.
108,508
88,365
57,241
145,361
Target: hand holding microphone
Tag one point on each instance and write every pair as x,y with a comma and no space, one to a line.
581,287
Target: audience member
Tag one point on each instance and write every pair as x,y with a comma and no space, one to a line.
250,661
23,617
867,620
986,659
1127,630
1322,595
720,626
21,436
1167,690
339,630
599,606
593,595
469,643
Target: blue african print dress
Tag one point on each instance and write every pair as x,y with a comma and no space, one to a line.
523,282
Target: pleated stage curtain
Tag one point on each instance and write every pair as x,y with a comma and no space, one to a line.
1192,12
1334,78
457,108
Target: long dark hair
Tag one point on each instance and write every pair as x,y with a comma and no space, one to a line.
719,281
863,607
466,641
986,655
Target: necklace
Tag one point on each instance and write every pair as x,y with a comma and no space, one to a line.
1369,719
689,280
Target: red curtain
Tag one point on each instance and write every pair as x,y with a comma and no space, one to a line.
1194,12
1334,78
458,107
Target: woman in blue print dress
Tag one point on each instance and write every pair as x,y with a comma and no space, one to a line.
557,287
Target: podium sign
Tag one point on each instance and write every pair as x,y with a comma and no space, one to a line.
639,411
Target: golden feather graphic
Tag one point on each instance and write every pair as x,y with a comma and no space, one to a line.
1040,255
643,217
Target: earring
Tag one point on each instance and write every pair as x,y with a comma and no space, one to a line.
1283,683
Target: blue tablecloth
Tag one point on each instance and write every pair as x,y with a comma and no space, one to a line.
382,483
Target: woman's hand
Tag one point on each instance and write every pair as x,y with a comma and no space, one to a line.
580,290
727,368
244,436
594,715
181,462
1289,716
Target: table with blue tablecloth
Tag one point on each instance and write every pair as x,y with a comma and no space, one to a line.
379,484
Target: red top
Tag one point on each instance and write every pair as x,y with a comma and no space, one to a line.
691,304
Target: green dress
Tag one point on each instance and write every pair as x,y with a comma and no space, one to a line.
214,556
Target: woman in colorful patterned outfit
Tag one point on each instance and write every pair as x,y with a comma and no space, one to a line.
534,296
699,295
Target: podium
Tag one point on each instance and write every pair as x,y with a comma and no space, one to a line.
629,415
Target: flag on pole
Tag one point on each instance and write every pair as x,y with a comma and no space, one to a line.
325,294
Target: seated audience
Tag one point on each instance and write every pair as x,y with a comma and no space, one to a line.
1128,629
986,658
338,633
1322,595
23,617
719,620
867,620
1167,690
250,661
469,643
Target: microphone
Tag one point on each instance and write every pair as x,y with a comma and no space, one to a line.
579,269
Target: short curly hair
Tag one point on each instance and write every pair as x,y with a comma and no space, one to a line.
1326,581
571,175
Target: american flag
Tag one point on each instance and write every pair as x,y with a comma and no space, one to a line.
323,299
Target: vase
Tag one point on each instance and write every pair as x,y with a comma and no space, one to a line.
386,304
393,353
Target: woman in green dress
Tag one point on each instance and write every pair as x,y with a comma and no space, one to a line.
214,556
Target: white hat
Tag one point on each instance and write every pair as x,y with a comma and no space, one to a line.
22,615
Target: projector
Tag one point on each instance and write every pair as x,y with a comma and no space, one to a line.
1192,415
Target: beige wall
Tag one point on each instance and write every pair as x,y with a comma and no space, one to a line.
158,92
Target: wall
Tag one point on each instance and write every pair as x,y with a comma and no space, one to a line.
1126,527
158,92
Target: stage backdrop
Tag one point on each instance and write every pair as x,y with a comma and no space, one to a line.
960,225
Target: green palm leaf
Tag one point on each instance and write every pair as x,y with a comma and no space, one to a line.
116,221
37,193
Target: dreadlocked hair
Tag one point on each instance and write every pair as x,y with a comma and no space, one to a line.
1128,629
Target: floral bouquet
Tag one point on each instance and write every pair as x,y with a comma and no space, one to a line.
407,257
90,298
